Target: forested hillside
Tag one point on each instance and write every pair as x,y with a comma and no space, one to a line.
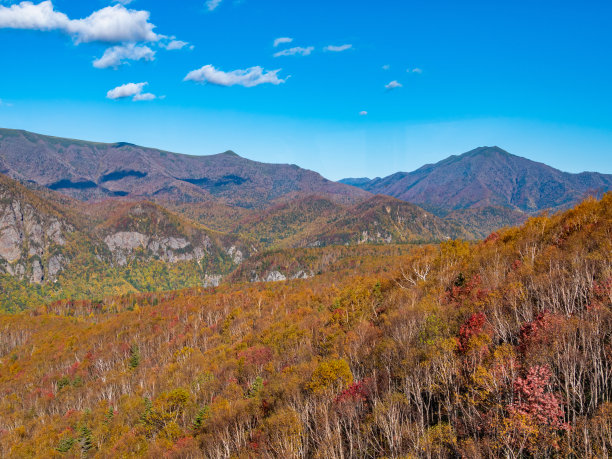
498,348
55,247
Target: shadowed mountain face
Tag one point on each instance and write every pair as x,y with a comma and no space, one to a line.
485,177
88,170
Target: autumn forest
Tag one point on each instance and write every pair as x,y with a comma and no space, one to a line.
495,348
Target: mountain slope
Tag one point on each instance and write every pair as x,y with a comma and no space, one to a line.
488,176
317,221
49,250
89,170
496,349
286,224
33,233
383,219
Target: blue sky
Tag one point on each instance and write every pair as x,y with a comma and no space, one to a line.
435,78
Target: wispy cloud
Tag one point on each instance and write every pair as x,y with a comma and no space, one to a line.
415,70
386,67
133,90
393,85
175,44
363,113
337,49
144,96
117,55
4,103
282,40
248,78
298,50
213,4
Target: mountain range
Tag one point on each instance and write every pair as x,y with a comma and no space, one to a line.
93,171
84,219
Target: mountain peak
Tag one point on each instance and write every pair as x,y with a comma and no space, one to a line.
124,144
486,151
489,176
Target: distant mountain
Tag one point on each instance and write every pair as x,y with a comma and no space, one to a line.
288,224
317,221
385,220
485,177
89,170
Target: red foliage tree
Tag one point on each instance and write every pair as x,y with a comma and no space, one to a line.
535,401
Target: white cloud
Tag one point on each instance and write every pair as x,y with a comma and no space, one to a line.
175,44
143,96
117,55
26,15
133,90
337,49
212,4
393,85
363,113
386,67
248,78
113,24
282,40
123,2
297,50
417,70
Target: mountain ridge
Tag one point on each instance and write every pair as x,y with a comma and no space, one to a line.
485,177
93,171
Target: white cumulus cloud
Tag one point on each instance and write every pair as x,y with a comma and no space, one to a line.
133,90
117,55
113,24
248,78
282,40
128,29
297,50
337,49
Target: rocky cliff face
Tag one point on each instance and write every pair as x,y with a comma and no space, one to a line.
147,231
125,244
31,240
40,237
